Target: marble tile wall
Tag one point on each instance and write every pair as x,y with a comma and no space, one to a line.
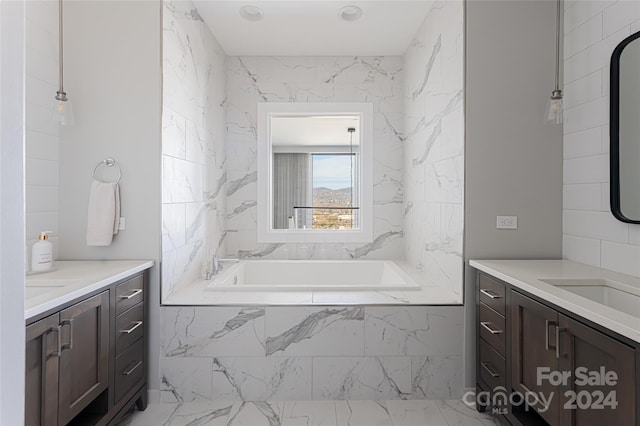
434,147
311,353
193,146
378,80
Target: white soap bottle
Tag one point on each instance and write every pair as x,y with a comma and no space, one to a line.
42,253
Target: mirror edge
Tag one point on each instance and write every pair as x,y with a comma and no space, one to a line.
614,130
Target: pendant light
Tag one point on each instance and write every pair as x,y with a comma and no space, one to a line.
554,105
62,110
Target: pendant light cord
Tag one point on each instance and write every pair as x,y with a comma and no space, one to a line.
60,54
558,12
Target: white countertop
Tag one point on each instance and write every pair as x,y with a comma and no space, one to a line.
527,275
75,278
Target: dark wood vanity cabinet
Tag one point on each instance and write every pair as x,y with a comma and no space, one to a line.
541,343
85,363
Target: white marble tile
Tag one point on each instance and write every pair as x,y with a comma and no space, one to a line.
436,377
173,226
456,413
261,379
182,181
314,331
414,330
173,134
210,413
185,379
213,331
363,413
309,413
258,413
341,378
414,413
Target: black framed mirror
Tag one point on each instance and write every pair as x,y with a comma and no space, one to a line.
625,130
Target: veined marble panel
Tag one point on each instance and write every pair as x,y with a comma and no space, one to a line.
262,379
363,413
414,330
437,377
315,331
341,378
434,147
213,331
185,379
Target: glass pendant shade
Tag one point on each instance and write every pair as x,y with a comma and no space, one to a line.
554,110
63,112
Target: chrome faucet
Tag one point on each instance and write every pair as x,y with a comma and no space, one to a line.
217,265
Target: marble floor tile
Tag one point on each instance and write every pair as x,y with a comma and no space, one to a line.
457,413
415,413
311,413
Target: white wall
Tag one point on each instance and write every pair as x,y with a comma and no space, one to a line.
378,80
591,234
41,131
193,146
112,75
513,161
434,147
12,338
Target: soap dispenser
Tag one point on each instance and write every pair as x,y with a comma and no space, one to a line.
42,253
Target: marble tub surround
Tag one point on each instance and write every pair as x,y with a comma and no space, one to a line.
193,146
312,413
71,279
528,275
434,147
378,80
311,353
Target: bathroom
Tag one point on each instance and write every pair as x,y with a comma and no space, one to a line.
187,148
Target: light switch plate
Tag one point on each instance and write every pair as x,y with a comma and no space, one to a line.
121,224
507,222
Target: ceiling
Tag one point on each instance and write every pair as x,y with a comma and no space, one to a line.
314,131
314,28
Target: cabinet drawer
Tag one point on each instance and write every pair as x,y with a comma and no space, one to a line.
129,327
492,293
129,369
492,328
492,367
129,293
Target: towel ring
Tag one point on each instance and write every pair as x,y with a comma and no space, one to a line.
109,162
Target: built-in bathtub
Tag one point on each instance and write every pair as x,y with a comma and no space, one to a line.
313,275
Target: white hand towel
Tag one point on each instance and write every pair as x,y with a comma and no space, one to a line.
103,213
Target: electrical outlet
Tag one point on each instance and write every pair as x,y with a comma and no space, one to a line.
506,222
121,224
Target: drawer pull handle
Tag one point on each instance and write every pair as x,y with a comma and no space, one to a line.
491,330
490,294
132,369
135,325
68,322
486,366
133,293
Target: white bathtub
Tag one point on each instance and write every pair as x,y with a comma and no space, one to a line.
312,275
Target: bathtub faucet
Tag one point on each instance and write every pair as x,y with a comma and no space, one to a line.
217,264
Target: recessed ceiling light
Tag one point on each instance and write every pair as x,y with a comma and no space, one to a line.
251,13
350,13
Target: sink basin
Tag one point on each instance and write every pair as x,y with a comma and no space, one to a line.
615,295
48,283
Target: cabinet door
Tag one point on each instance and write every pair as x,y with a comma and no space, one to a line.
533,328
84,362
585,348
41,379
